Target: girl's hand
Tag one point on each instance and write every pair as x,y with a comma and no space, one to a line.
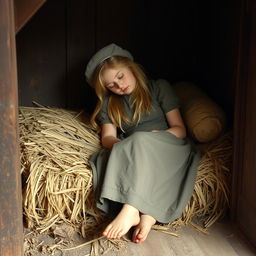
155,131
108,136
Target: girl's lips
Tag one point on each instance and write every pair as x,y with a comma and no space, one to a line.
126,89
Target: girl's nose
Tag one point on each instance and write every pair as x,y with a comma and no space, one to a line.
120,85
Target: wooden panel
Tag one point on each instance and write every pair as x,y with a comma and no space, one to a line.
247,202
245,145
53,50
24,10
217,48
11,227
41,57
114,22
171,39
80,48
158,34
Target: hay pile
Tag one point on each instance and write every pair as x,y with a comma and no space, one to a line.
57,181
55,147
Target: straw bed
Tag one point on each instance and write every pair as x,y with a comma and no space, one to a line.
57,180
55,147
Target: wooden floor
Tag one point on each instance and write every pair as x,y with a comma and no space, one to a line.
223,240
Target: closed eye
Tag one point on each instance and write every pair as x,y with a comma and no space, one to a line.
110,85
120,76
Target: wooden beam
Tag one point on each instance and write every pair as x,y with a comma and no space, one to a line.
24,10
11,226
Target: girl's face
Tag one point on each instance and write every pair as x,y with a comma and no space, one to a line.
119,80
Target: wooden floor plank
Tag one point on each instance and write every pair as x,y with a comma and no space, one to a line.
213,244
223,240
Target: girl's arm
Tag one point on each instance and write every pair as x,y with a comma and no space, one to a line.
175,123
108,135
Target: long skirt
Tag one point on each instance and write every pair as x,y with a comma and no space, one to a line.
154,172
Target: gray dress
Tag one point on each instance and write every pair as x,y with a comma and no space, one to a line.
153,171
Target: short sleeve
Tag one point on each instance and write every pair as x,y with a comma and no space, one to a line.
103,117
165,95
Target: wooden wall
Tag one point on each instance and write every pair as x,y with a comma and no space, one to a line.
243,202
11,228
176,40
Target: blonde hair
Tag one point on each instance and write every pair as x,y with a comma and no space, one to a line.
141,98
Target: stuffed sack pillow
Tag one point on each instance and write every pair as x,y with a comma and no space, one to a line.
204,119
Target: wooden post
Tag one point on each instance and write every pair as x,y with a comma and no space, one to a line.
11,227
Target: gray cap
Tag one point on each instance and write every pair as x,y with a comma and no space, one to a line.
103,54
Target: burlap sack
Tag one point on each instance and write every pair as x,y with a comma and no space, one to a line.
204,119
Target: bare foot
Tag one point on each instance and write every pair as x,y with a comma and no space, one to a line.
127,217
141,231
